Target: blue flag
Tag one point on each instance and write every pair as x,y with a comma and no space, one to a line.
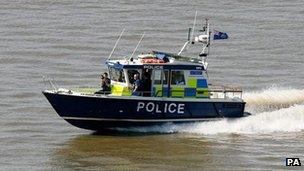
219,35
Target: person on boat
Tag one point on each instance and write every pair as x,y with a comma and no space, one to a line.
120,77
146,84
105,84
136,86
178,78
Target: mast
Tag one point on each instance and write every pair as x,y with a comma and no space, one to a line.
201,38
190,35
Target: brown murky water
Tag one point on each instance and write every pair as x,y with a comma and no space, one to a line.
69,40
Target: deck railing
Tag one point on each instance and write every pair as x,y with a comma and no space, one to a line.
223,91
49,83
213,91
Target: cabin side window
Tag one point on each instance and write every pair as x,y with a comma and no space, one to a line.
178,78
117,75
158,74
131,73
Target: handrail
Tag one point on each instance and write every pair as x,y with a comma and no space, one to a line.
50,81
212,92
224,91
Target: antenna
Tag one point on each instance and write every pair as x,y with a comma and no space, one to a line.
189,33
185,45
123,30
194,22
137,45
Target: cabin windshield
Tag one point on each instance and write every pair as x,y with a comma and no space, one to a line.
117,74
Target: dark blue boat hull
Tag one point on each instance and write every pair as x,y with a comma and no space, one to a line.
102,112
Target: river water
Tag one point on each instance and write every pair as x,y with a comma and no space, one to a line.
69,41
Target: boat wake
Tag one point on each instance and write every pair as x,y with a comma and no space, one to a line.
273,110
272,99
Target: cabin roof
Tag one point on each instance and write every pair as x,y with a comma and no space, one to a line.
136,64
175,62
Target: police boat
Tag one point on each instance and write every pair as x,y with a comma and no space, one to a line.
176,90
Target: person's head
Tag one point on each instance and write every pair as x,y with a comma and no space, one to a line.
147,75
105,75
136,76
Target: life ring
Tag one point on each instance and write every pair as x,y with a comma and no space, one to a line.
152,60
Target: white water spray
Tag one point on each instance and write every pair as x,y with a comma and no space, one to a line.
275,96
288,116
